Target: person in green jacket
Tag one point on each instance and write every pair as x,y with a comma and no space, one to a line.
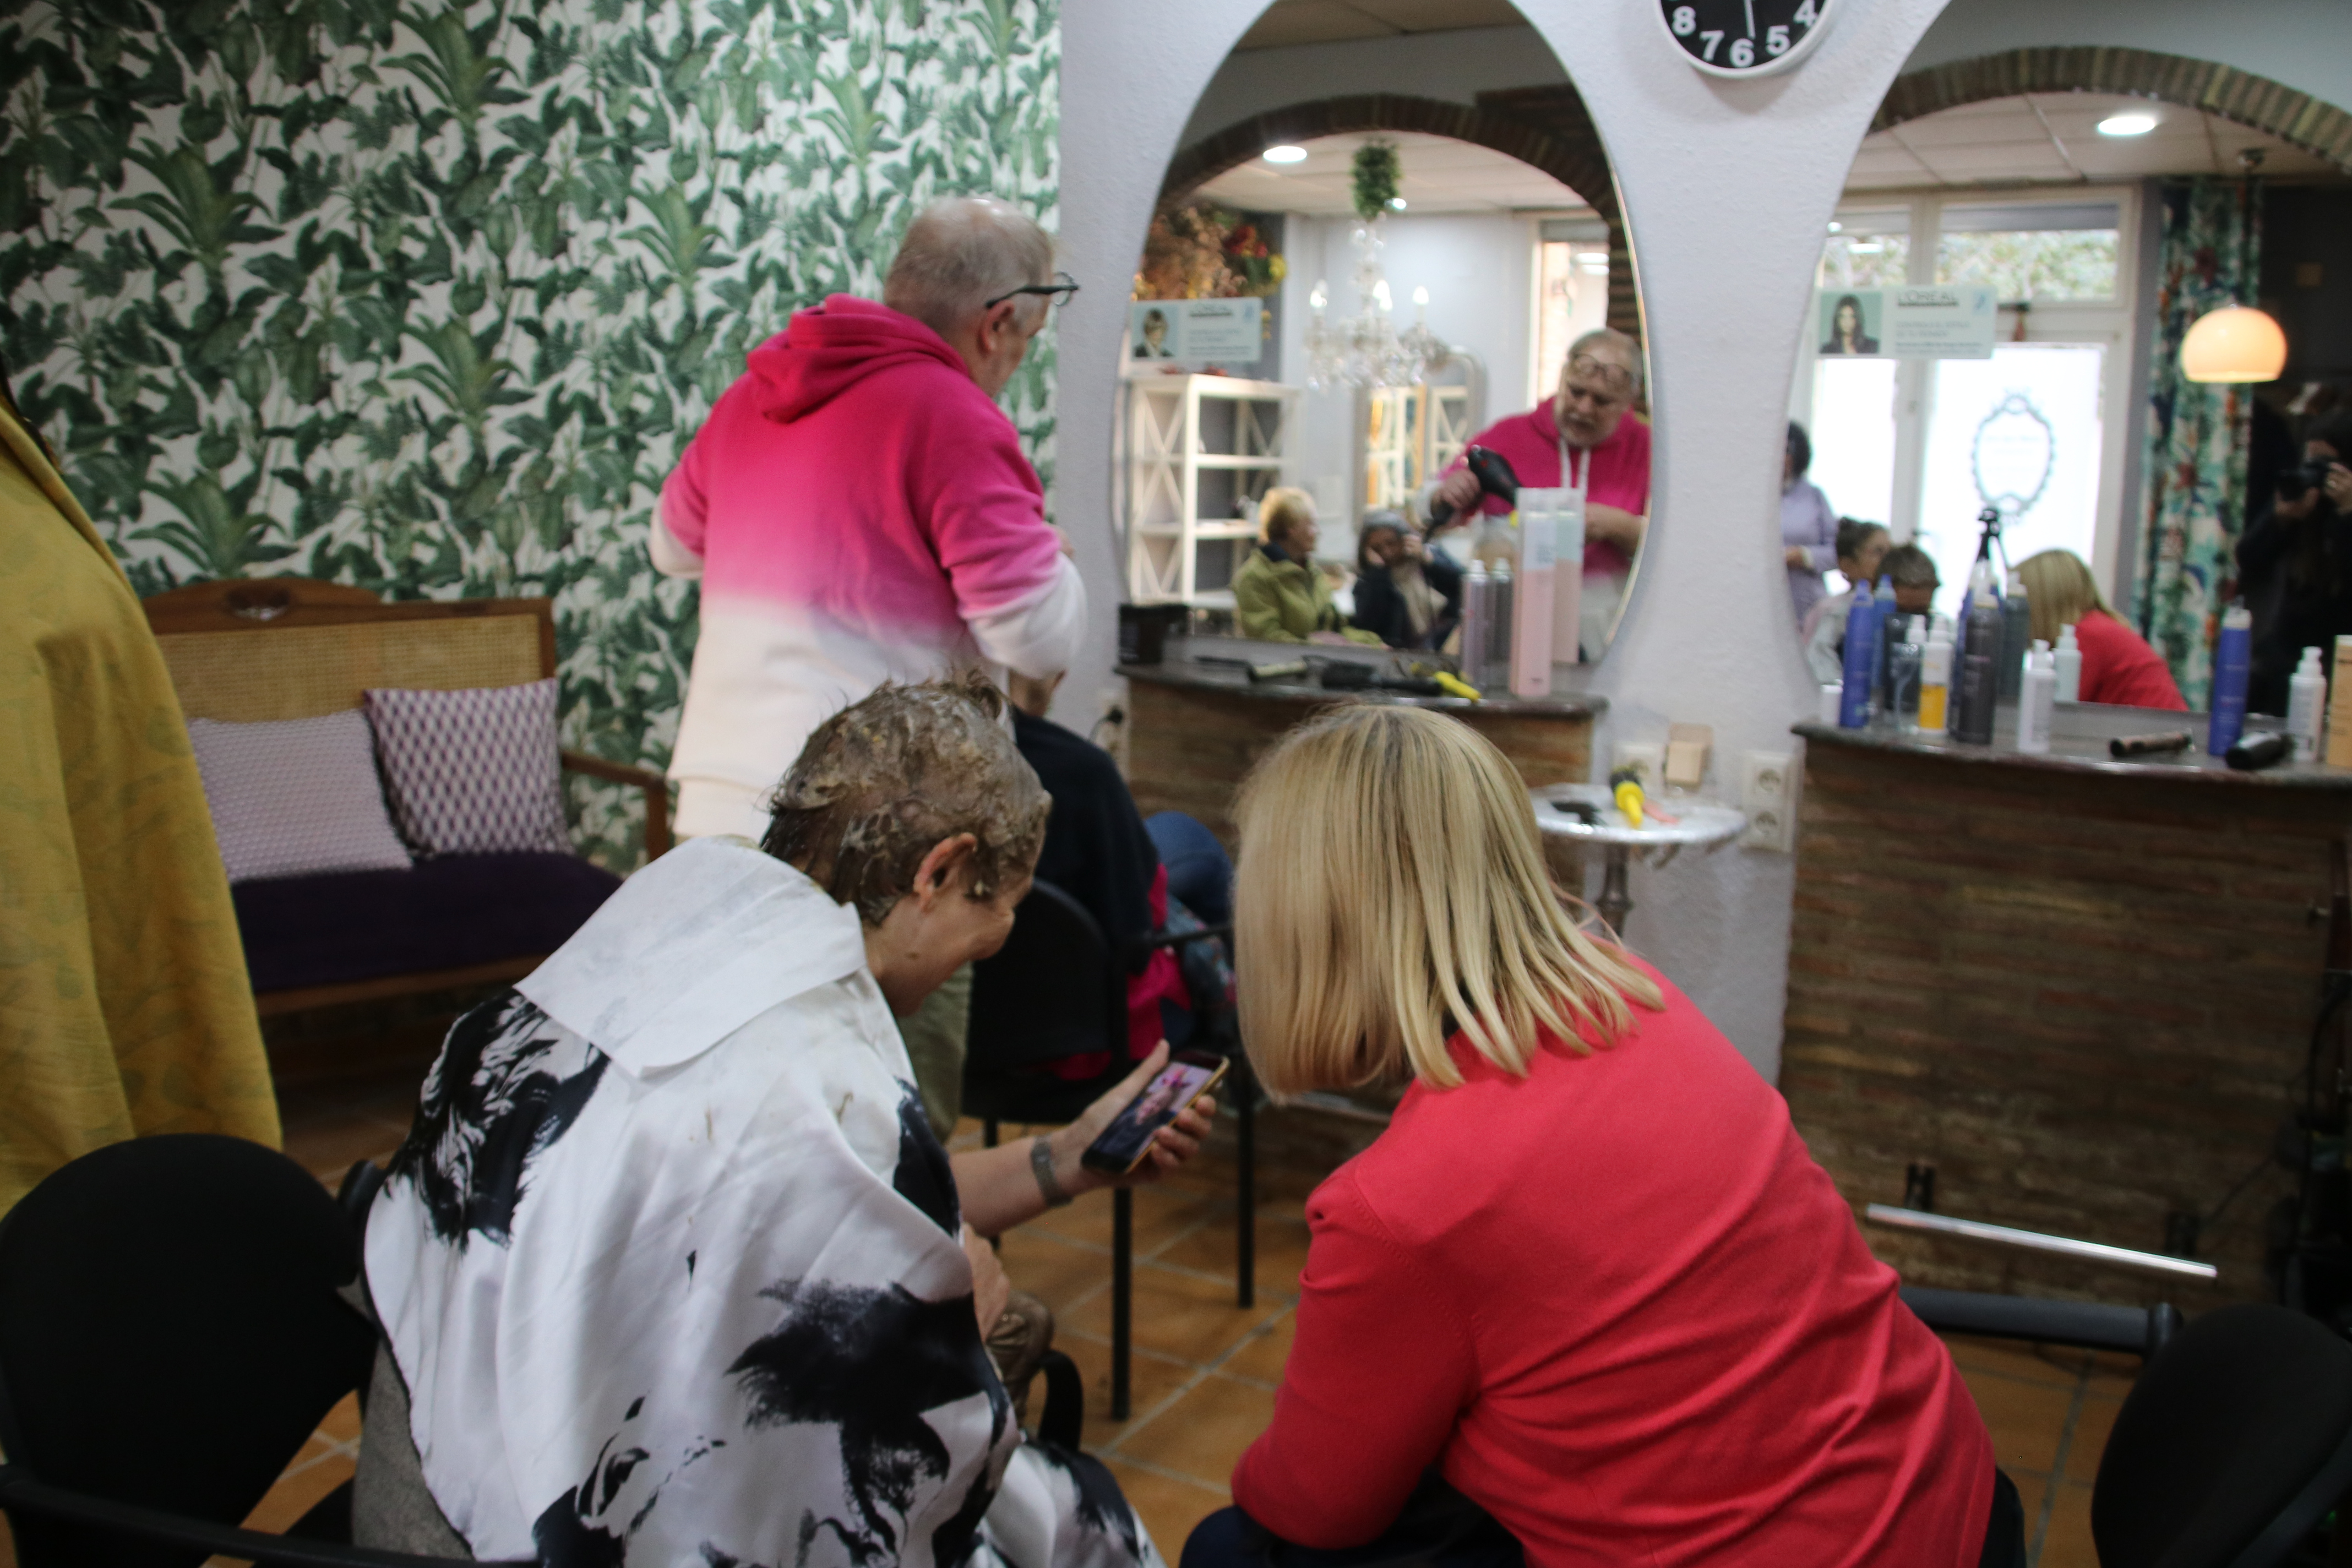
1278,596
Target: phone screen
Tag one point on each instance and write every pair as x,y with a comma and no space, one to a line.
1124,1141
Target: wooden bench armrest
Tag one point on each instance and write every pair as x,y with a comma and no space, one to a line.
656,790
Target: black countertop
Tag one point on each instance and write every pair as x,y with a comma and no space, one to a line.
1184,667
2078,744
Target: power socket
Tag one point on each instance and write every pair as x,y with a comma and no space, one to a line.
1768,793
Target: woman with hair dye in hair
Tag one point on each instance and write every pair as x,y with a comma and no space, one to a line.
672,1269
1587,1300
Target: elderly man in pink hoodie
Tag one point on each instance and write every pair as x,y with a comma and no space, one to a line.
858,511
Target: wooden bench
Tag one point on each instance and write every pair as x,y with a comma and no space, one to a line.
254,649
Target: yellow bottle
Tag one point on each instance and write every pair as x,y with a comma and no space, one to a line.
1935,683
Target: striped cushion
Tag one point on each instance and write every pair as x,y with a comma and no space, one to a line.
296,798
472,772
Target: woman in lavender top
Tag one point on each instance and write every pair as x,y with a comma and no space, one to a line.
1808,526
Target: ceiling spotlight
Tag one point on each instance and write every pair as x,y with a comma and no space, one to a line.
1286,153
1397,202
1836,227
2131,124
1867,247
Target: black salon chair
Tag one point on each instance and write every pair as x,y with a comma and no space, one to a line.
2233,1444
1058,989
170,1336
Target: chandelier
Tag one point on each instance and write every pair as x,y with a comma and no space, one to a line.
1366,349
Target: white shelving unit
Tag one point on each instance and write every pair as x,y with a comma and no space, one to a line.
1196,445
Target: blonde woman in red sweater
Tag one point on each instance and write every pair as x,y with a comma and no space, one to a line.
1588,1300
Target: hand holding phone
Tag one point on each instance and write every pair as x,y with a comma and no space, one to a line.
1122,1145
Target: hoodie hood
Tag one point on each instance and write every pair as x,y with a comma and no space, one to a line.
831,347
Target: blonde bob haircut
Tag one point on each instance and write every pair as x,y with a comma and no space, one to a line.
1392,879
2059,591
1283,509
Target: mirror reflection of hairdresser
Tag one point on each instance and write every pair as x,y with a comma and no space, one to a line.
1808,529
2295,562
671,1268
858,510
1587,1297
1585,435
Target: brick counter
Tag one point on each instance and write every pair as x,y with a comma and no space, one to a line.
2083,993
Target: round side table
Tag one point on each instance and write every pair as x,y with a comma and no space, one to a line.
1699,825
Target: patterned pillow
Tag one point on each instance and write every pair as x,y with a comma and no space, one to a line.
472,772
296,798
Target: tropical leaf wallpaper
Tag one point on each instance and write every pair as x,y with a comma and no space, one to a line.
428,297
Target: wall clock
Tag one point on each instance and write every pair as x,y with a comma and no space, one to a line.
1744,38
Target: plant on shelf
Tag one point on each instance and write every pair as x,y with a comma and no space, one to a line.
1202,251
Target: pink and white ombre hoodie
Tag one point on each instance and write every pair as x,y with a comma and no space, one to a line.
858,510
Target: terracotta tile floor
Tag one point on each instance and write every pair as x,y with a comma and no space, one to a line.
1205,1370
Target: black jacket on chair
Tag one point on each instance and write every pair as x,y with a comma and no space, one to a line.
1380,609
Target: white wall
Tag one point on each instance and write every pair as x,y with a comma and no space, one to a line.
1478,268
1727,188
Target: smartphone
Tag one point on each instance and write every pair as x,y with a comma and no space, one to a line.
1123,1144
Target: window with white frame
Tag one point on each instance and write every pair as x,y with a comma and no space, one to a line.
1571,294
1920,443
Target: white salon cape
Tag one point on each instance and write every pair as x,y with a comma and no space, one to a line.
671,1268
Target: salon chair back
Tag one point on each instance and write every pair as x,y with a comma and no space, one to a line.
2232,1447
170,1337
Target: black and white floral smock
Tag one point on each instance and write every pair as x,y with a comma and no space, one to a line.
670,1265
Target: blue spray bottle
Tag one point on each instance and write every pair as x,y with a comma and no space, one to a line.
2233,660
1860,659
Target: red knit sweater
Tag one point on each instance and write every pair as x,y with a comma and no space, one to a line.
1631,1318
2119,666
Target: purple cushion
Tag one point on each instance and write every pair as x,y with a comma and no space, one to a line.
472,772
294,797
447,914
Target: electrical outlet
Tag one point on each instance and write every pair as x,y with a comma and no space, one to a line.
1768,793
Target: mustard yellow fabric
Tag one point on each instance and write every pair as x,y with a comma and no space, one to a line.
124,1008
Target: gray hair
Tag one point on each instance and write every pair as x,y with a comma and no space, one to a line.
1610,337
961,252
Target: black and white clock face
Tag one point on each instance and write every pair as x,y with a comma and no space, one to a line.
1744,38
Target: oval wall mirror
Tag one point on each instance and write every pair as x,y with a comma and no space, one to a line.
1997,327
1342,292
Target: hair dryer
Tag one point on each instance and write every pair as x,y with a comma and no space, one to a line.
1491,471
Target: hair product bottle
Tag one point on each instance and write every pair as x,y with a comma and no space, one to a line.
1904,658
1935,683
2037,698
1531,615
1980,645
1887,625
2232,663
1477,612
2068,656
2306,695
1860,659
1502,595
2016,632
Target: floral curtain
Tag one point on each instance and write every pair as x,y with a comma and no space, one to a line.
2197,434
427,295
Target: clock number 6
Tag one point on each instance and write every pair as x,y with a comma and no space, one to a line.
1776,40
1686,21
1743,52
